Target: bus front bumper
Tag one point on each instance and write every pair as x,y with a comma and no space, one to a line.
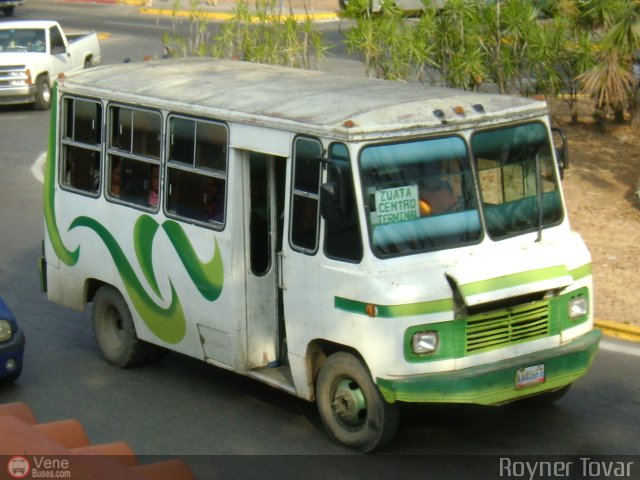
495,384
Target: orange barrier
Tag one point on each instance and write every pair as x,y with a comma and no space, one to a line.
64,445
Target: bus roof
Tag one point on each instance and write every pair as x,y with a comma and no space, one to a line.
303,101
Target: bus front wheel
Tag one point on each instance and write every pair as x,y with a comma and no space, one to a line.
351,406
115,332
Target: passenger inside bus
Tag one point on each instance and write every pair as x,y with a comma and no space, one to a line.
115,179
214,207
437,196
153,186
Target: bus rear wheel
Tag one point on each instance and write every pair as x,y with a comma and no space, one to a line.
115,332
351,406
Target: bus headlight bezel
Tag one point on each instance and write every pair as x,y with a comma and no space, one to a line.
577,307
425,342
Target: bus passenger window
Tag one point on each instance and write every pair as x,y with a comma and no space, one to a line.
81,145
342,240
133,156
196,170
134,181
195,196
210,147
305,195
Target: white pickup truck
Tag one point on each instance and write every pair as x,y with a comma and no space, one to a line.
32,55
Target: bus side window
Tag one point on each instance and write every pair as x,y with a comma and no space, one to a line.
196,170
305,195
343,240
81,145
134,156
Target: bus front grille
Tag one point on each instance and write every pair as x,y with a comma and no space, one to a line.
500,328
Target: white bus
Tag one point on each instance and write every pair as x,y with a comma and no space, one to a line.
359,243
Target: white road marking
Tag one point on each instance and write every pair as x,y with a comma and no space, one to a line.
619,348
37,169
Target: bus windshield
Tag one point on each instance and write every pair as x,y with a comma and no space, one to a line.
421,195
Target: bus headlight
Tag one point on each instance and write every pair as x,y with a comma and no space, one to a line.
5,330
578,307
424,342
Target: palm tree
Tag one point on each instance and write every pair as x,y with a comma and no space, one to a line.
560,52
610,80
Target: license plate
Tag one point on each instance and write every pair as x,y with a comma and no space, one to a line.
529,376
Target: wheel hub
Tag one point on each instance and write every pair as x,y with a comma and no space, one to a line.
349,404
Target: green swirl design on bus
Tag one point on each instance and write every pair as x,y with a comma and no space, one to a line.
168,323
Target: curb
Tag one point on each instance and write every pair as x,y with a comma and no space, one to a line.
145,8
619,330
165,12
319,16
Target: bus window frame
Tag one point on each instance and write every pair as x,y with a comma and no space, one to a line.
349,190
306,195
64,142
112,151
175,165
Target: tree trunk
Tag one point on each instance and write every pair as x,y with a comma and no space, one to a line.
635,114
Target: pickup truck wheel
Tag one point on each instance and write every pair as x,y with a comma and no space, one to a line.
43,93
351,406
115,332
8,11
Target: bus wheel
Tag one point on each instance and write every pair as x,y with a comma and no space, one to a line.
116,333
351,406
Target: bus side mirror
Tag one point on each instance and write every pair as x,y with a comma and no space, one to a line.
333,198
561,147
330,201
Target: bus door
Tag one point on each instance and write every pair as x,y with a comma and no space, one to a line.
264,196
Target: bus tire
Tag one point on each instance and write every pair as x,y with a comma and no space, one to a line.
115,332
351,407
43,93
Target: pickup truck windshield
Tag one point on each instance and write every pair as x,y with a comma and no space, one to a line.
421,195
22,40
